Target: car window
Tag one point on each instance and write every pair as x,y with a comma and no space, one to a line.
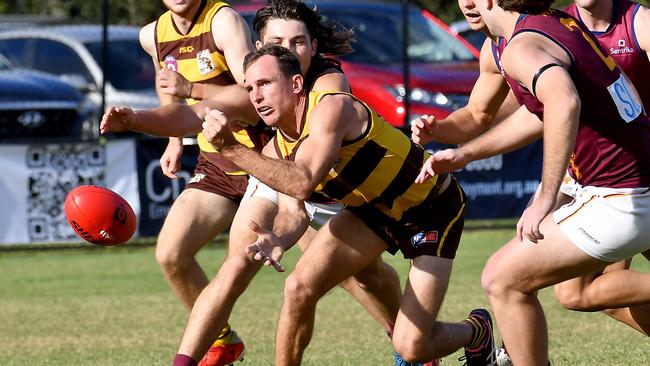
130,68
379,37
4,63
58,59
17,51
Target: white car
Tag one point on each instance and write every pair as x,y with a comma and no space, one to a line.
74,53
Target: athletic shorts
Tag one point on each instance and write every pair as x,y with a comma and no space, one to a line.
431,228
319,213
609,224
209,177
569,185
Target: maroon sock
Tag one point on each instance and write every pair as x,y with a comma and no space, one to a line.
183,360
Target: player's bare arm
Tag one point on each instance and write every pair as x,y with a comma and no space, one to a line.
331,121
148,43
476,117
516,131
642,29
529,53
170,159
289,225
336,118
331,81
232,36
177,120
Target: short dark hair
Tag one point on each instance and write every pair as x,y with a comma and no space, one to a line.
330,40
526,6
287,61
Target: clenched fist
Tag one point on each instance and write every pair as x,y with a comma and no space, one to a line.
216,129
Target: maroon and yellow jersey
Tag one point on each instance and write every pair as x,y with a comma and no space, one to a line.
378,168
611,148
196,56
620,41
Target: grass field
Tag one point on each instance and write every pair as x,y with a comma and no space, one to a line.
112,307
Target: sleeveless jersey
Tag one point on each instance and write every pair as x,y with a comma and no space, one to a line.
196,56
377,168
619,40
611,148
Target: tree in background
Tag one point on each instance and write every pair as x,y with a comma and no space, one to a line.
140,12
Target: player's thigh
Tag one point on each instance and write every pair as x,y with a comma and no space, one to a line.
425,290
341,248
196,217
526,266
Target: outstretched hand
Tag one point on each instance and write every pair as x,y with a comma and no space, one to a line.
444,161
266,248
117,119
423,129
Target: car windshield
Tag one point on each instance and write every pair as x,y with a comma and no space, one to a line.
130,67
379,37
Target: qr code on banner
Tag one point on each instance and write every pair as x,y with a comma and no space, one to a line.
54,170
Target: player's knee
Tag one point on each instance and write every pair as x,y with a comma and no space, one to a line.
236,274
569,299
297,291
366,279
170,259
411,349
493,284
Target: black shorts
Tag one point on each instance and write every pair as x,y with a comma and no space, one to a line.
431,228
209,176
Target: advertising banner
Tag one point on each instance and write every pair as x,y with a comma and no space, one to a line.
157,192
500,186
37,177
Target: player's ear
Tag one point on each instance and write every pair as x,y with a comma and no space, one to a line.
258,44
298,83
314,47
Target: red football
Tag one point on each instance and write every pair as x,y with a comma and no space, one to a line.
99,215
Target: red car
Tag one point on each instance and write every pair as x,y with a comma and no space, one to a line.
443,66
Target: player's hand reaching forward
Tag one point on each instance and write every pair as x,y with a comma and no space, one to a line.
443,161
423,129
267,248
117,119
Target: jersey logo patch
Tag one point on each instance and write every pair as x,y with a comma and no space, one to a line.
204,61
171,63
622,48
424,237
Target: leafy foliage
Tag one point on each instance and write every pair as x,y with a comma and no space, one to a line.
140,12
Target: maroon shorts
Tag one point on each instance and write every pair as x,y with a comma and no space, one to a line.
209,176
431,228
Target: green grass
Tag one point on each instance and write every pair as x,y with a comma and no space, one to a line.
112,307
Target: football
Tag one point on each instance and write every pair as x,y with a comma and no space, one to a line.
99,215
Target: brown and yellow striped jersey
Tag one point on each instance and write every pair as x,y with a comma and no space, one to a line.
378,168
196,56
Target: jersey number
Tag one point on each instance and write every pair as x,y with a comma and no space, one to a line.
571,24
626,100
